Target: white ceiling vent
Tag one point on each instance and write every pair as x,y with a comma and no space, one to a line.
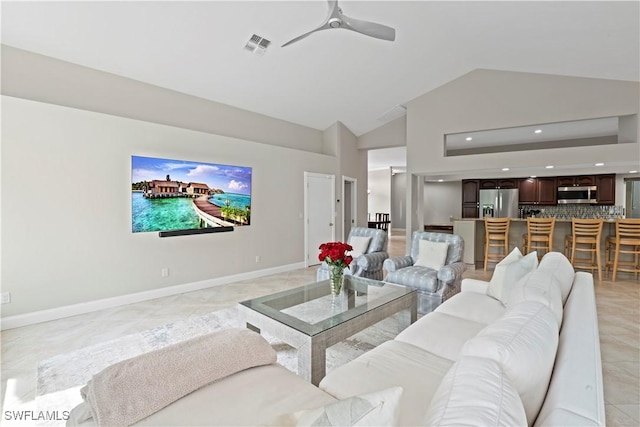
257,44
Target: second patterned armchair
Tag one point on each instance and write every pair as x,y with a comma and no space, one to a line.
433,267
369,252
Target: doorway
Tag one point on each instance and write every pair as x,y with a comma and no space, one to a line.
349,205
319,214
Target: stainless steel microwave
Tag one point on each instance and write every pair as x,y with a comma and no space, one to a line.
586,194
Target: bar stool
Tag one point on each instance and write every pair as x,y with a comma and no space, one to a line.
496,235
539,235
625,242
585,237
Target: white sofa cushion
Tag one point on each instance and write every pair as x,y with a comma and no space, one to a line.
561,270
279,391
474,285
379,408
575,395
431,254
360,245
538,286
509,271
472,306
393,363
524,341
441,334
476,392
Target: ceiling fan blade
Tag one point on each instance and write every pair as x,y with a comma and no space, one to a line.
334,12
320,28
371,29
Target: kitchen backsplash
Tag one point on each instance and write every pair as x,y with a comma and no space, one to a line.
572,211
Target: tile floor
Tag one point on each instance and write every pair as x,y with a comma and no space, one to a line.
618,312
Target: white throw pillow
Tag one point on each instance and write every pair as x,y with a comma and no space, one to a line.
476,392
538,286
561,270
508,271
360,244
432,254
524,342
378,408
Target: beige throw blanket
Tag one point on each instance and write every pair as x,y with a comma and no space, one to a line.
133,389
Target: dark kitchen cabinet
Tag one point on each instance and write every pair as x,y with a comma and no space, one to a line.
547,191
527,191
537,191
576,181
488,184
470,198
508,183
498,183
606,189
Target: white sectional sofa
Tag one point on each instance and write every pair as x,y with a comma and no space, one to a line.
530,356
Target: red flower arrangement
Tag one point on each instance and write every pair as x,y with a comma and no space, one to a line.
335,254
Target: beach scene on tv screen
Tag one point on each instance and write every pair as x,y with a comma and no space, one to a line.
181,195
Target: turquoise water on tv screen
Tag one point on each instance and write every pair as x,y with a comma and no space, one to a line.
174,213
235,200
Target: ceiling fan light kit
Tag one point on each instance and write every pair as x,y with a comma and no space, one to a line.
337,19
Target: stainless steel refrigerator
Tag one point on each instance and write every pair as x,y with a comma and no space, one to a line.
500,203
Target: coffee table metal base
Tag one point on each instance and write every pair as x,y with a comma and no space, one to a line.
312,350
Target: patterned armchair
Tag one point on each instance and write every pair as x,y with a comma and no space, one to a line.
369,264
434,286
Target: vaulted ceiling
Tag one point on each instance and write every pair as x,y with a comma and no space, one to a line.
199,48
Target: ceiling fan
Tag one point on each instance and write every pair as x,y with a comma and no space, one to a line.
337,20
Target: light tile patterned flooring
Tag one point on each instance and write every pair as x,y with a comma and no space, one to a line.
618,313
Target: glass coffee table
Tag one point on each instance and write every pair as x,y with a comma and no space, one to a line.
310,319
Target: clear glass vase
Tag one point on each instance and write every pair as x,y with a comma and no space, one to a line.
336,279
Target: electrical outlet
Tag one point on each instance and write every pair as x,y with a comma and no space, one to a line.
257,258
165,272
6,297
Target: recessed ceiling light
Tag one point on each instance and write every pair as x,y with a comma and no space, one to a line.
532,176
633,171
441,180
599,164
537,131
549,167
505,169
468,138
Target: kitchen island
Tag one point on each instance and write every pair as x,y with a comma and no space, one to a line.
472,231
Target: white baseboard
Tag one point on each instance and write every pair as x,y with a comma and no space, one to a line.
20,320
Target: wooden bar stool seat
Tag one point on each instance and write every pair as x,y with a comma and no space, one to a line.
626,242
496,233
585,237
539,235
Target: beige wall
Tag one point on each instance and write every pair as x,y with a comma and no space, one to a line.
487,99
380,196
353,164
392,134
66,207
68,135
442,201
40,78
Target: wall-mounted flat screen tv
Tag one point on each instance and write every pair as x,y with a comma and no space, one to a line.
184,195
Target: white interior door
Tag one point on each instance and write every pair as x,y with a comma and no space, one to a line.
319,211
